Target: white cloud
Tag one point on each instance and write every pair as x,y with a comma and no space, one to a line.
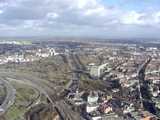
1,11
96,11
52,15
157,17
132,18
83,4
141,18
91,15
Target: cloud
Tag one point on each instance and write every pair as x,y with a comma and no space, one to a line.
1,11
77,17
141,18
132,18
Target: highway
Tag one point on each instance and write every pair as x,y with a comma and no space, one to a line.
10,96
74,64
44,87
37,83
7,77
72,87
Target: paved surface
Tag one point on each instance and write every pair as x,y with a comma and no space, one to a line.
74,64
45,87
145,95
10,97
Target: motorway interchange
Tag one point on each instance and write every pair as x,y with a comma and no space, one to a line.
44,87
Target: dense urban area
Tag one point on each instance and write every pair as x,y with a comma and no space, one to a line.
79,80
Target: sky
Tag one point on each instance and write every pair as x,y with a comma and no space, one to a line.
84,18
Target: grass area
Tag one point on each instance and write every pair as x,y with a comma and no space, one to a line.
15,113
52,69
92,85
24,96
2,93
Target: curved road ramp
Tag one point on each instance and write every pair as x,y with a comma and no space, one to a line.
10,96
56,101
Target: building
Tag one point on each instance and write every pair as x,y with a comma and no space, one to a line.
92,102
97,71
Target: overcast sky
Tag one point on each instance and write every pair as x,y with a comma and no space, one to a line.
95,18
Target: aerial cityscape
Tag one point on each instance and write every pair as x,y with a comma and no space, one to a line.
74,80
79,60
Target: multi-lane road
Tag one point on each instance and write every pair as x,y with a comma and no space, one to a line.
74,64
144,92
10,96
44,87
6,77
